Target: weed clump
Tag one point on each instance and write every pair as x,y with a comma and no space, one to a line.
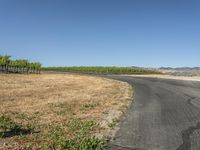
9,128
113,123
81,139
7,125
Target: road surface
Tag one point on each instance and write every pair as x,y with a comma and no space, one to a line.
165,115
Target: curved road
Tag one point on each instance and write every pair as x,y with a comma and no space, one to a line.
165,115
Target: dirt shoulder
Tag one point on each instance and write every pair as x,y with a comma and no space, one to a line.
58,109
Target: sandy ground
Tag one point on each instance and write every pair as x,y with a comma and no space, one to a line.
195,78
58,98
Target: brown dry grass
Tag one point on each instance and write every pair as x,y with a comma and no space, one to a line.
56,99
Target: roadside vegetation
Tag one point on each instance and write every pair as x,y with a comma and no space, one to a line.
74,134
103,70
59,112
7,65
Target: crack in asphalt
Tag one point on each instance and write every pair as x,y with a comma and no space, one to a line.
158,95
186,145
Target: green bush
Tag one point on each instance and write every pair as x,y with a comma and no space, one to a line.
18,66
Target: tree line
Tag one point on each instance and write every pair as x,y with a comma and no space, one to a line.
103,70
9,65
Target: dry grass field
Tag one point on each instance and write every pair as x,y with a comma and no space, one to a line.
59,111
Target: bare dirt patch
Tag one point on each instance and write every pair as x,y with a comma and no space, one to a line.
57,107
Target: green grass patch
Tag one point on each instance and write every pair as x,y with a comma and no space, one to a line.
79,139
9,128
76,134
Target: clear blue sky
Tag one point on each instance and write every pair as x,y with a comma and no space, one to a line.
149,33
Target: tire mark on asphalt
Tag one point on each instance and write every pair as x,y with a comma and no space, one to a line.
190,99
186,145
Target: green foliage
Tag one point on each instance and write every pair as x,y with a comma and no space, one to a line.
6,124
81,139
9,128
103,70
18,66
82,127
77,143
85,143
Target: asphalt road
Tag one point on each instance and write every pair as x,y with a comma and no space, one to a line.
165,115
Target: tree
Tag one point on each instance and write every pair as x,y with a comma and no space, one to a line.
4,62
19,65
